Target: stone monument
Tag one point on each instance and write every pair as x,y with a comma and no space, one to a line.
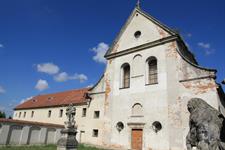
206,127
68,139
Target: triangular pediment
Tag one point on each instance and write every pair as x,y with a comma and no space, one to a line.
140,28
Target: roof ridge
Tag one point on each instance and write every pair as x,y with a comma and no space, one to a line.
63,91
60,99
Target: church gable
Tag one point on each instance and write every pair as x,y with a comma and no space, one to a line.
139,29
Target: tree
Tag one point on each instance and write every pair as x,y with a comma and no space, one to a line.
2,115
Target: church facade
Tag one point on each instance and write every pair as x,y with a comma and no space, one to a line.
140,102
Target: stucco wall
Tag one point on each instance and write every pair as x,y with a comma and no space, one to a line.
165,102
153,98
14,133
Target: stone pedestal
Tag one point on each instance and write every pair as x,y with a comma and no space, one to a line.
68,140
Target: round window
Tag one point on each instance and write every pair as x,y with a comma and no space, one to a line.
157,126
137,34
120,126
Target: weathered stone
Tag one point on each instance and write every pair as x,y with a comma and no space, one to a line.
206,126
68,140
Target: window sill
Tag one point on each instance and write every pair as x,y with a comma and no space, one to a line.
137,76
137,116
151,84
124,88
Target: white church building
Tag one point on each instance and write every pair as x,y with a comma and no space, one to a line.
140,102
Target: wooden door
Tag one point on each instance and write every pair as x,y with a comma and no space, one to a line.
137,139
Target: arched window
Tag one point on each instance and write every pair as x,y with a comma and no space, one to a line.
137,110
125,75
137,65
152,70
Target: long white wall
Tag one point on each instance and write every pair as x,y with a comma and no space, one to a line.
85,124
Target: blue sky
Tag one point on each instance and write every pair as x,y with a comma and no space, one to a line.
55,45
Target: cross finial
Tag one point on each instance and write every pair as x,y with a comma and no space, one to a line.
138,4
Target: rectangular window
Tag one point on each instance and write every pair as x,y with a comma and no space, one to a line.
95,133
84,112
32,114
61,113
24,114
96,114
49,113
19,114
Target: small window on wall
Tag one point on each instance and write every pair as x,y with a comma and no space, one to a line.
19,114
96,114
60,113
24,114
137,34
137,110
125,69
49,113
32,114
84,112
152,70
95,133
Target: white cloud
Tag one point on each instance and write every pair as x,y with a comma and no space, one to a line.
1,45
90,85
62,77
80,77
8,108
207,48
100,51
209,51
189,35
204,45
48,68
41,85
25,99
2,90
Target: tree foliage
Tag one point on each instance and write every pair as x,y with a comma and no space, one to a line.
2,115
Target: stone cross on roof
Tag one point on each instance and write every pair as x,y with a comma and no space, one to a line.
138,4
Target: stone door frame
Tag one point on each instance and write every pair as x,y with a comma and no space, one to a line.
136,126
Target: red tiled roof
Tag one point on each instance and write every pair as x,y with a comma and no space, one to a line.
57,99
2,120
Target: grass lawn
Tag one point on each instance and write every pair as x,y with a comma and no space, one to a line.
48,147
